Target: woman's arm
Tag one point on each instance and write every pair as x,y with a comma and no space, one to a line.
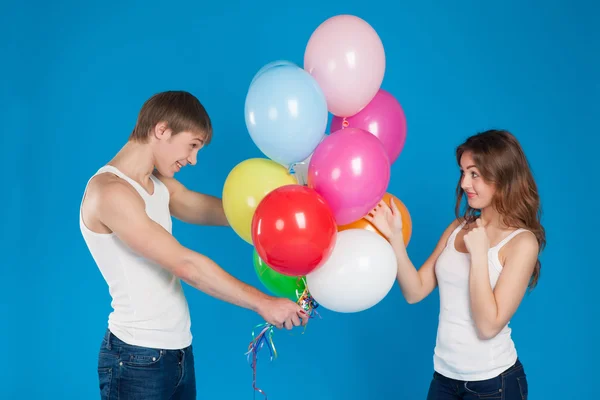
418,284
493,309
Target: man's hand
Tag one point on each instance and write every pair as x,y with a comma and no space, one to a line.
283,313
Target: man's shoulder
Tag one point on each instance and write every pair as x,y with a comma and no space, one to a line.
106,195
109,190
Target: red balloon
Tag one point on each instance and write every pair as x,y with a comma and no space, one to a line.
293,230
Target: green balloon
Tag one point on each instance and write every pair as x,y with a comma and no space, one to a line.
280,285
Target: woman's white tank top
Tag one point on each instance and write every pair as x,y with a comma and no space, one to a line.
459,352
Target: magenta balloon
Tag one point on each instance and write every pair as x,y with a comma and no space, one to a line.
351,170
384,118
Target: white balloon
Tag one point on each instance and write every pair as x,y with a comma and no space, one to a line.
360,272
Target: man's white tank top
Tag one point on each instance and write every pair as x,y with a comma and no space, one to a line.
459,352
149,306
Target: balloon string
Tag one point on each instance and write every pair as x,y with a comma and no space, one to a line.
265,337
254,379
256,389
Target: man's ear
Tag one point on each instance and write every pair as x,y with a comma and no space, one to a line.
161,131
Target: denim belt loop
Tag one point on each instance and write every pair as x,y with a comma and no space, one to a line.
108,341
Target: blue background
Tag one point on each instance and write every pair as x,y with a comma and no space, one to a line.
74,75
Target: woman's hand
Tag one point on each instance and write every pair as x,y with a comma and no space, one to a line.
387,219
477,242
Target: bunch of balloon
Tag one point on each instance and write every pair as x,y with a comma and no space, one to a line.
286,117
351,167
303,206
290,225
292,228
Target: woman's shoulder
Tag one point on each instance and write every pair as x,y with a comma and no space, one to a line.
522,239
522,249
454,225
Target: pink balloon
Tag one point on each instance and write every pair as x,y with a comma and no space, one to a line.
351,170
346,57
384,118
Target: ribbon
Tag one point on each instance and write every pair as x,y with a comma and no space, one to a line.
265,336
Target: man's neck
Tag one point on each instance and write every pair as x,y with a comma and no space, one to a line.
135,160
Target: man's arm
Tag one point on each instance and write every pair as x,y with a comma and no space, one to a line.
193,207
122,211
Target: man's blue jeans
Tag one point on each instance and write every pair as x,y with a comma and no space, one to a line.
129,372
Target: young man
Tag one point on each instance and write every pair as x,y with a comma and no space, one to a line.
125,219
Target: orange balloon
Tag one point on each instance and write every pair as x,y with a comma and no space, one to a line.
405,215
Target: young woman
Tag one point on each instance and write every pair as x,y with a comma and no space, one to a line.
483,264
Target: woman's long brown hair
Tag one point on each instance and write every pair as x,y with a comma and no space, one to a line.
502,162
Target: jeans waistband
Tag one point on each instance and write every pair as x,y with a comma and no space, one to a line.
111,340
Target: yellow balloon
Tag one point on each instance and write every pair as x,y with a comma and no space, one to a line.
246,185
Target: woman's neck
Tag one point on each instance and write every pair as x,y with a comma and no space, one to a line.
490,217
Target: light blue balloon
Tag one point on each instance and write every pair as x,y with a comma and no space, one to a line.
272,64
286,114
